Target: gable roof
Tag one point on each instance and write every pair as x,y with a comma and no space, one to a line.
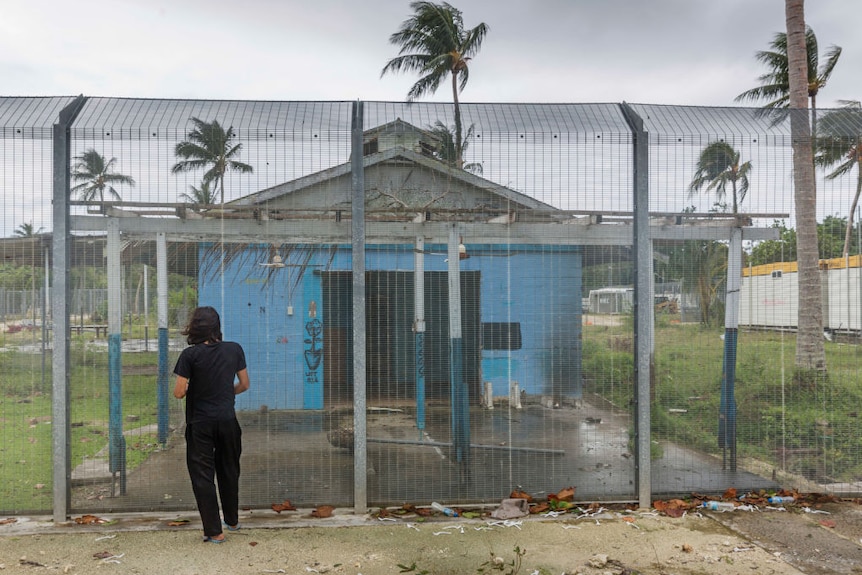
392,157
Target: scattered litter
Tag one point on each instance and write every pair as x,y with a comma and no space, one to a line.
386,519
553,513
442,533
102,538
412,526
809,510
276,571
742,549
506,523
112,558
571,527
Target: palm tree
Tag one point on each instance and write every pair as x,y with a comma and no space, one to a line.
96,176
434,43
810,352
26,230
840,142
775,83
202,196
447,151
209,146
719,166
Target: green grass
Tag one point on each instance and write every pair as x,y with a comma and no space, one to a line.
808,428
26,412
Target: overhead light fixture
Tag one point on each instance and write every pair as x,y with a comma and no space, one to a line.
275,262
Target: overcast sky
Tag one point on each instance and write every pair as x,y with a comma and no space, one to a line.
691,52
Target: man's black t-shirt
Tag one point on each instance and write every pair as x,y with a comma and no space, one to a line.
211,370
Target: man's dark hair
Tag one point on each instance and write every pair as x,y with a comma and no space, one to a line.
204,325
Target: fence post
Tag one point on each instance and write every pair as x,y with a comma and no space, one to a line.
162,312
357,225
643,302
60,399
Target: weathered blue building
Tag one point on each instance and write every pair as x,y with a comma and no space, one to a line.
290,304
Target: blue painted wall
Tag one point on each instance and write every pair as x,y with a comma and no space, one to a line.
278,317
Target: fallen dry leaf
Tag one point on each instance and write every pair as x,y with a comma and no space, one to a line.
566,494
629,519
8,520
323,511
519,494
178,522
827,523
539,507
686,548
253,543
285,505
102,554
89,520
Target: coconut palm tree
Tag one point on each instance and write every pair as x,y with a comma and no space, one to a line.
840,142
96,176
433,43
775,84
447,151
27,230
810,352
202,196
209,146
717,168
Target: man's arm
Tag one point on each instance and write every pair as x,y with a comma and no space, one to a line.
243,384
181,387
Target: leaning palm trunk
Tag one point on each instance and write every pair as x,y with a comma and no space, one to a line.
459,148
810,353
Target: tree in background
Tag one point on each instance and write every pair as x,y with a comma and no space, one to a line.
830,239
203,196
840,142
718,168
433,42
96,176
26,230
775,83
810,351
210,147
448,152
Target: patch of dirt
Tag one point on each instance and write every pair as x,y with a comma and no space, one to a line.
609,542
820,540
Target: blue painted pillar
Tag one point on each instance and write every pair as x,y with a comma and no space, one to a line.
116,441
163,383
727,407
459,392
419,330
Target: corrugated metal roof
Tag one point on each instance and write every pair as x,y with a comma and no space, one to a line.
138,118
30,117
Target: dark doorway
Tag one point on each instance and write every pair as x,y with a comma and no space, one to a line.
390,341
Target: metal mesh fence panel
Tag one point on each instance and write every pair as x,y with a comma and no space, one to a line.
490,342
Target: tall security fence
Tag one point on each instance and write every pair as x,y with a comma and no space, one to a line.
433,306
